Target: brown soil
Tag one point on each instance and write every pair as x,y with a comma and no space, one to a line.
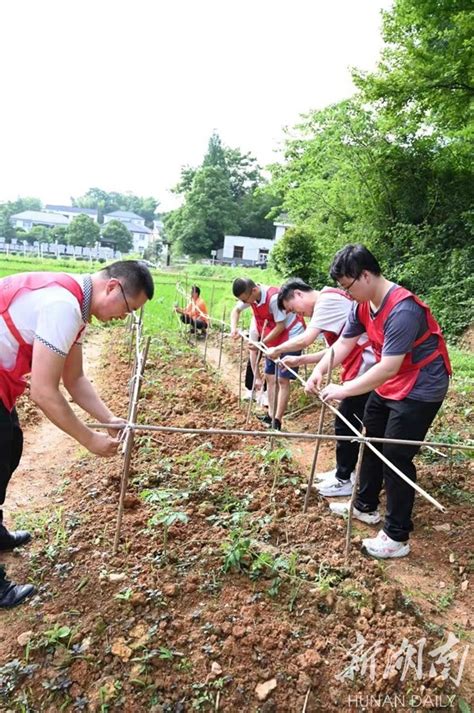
249,606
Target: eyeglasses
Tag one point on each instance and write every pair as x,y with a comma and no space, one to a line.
129,309
348,287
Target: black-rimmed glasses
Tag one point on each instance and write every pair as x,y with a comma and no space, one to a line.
129,309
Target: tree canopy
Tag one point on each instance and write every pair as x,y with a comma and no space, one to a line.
221,196
391,166
83,231
117,236
109,202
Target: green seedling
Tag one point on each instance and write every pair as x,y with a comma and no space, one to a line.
125,595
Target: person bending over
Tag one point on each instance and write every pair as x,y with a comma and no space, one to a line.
279,327
409,382
43,316
329,309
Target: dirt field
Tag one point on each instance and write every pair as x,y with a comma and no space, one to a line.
224,595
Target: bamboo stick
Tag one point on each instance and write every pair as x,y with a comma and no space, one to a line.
360,458
318,443
222,339
241,354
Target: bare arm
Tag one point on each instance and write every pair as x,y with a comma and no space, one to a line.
46,371
234,322
301,341
341,349
387,367
81,389
275,332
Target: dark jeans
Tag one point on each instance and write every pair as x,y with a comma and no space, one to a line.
11,447
195,323
406,419
346,452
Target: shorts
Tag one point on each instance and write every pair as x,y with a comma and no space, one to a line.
282,372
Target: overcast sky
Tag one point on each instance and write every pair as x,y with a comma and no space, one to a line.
120,94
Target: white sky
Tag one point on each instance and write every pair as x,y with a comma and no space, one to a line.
120,94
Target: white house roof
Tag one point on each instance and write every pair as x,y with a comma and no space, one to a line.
71,209
124,215
38,216
133,228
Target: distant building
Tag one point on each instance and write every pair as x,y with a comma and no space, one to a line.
70,211
27,219
135,224
243,250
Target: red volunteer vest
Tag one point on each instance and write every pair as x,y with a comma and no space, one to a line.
353,361
12,381
264,318
400,385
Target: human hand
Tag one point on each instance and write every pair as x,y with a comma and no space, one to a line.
102,445
115,432
272,353
235,333
292,361
333,392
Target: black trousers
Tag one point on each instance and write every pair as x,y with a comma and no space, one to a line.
11,447
195,323
346,452
406,419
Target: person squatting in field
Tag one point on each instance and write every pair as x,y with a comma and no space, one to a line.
43,317
408,384
195,313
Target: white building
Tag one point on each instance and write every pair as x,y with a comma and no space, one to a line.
243,250
70,211
135,224
27,219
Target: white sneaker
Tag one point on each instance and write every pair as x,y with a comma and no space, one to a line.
384,547
342,509
247,395
334,488
329,474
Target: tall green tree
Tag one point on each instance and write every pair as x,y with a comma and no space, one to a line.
106,202
117,236
83,231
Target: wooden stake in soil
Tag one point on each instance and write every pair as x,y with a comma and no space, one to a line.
318,443
241,354
275,404
254,380
222,339
353,497
140,367
211,304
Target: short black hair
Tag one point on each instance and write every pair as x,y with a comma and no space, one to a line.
134,275
352,260
195,288
287,290
241,285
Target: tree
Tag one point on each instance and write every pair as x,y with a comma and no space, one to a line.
221,196
83,231
296,255
109,202
425,73
116,235
11,208
209,212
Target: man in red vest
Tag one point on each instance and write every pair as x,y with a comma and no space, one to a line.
42,320
410,381
328,310
274,327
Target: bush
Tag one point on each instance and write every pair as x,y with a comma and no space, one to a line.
296,254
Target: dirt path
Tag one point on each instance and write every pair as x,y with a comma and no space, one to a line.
47,453
302,451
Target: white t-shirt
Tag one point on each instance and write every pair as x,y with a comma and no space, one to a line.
277,314
330,314
51,314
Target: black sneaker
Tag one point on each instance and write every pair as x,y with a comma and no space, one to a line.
10,540
13,594
276,424
266,420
